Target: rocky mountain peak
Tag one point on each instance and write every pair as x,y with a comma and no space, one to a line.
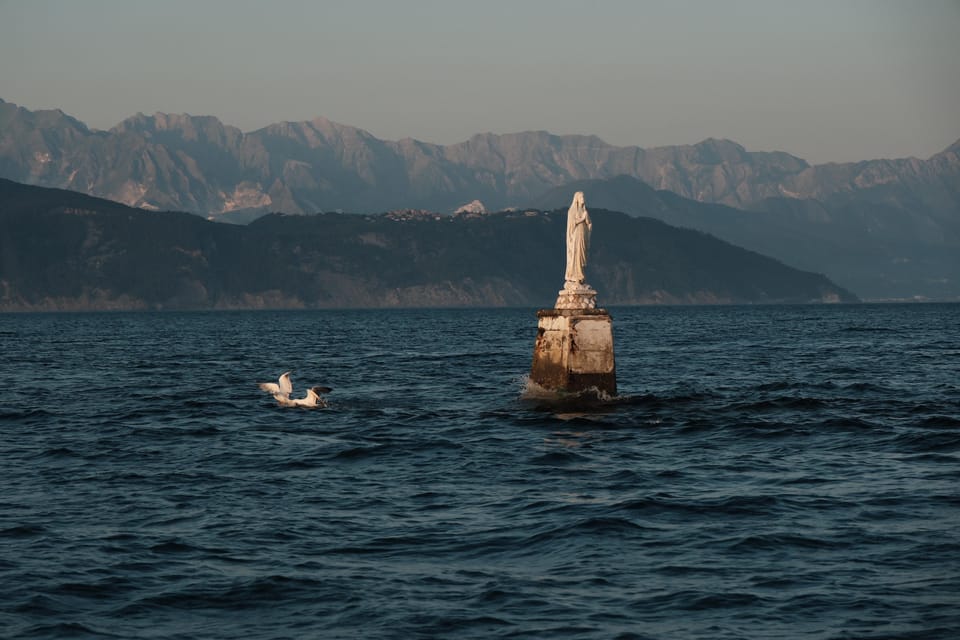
12,115
318,132
719,150
182,127
137,123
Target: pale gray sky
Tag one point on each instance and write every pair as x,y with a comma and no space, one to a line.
826,80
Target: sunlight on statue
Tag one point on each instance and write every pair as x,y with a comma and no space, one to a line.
576,293
578,238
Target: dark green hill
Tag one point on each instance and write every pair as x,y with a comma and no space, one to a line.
60,250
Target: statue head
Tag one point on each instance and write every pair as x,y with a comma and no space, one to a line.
578,199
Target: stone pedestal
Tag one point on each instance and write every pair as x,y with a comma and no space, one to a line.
574,350
576,296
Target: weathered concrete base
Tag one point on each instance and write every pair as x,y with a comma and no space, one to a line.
574,351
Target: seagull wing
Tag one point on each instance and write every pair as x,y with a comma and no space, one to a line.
285,387
322,389
269,387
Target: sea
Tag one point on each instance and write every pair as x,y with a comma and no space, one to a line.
764,472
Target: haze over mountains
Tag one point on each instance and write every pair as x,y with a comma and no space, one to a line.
884,228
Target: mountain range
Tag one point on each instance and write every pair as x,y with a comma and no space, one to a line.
200,165
888,229
62,250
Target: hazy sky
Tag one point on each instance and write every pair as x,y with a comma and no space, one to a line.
827,80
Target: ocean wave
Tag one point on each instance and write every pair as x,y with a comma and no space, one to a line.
230,595
760,505
23,531
781,541
66,630
926,442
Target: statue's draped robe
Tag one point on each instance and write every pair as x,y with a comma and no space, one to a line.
578,239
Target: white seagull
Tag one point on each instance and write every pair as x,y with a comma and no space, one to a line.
282,389
312,398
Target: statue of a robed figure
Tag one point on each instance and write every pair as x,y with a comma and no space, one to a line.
578,238
576,293
574,348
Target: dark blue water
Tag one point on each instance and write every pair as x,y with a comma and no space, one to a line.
771,472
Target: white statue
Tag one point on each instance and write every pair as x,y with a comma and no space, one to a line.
578,238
